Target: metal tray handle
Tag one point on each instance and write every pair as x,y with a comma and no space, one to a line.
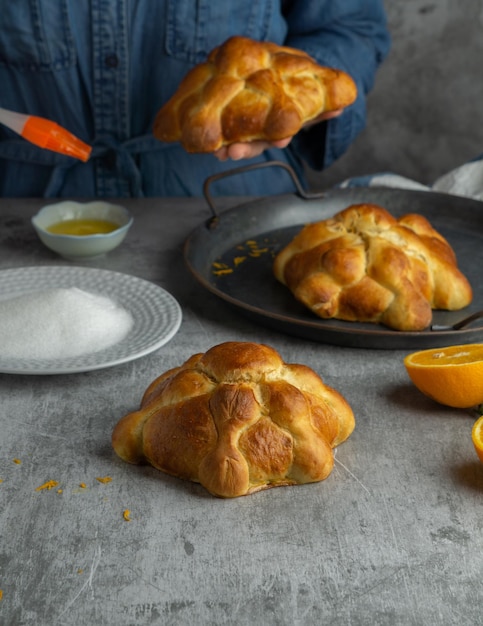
461,324
254,166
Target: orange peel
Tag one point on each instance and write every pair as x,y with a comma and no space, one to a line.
477,437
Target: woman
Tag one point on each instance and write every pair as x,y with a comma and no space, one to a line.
102,69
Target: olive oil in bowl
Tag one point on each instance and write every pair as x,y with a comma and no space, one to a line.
82,227
77,230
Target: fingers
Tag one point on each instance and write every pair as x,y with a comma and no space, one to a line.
249,150
331,114
239,151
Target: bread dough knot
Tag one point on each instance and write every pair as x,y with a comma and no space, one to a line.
237,419
364,265
247,91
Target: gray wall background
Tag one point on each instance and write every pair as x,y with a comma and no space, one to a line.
425,114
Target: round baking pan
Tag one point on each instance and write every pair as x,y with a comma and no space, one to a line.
231,255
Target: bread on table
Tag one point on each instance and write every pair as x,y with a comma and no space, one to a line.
250,90
237,419
364,265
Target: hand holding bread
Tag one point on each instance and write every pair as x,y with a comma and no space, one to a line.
250,91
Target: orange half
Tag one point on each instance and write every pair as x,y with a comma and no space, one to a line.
452,376
477,437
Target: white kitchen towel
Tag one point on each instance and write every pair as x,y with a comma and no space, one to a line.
466,180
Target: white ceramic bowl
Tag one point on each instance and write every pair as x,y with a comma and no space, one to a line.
77,247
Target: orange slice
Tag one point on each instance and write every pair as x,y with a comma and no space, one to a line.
477,436
452,376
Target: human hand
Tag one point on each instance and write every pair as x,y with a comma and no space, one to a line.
249,150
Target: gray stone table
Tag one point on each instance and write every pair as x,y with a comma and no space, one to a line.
393,536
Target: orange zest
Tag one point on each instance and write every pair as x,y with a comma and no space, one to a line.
452,376
50,484
477,437
104,479
49,135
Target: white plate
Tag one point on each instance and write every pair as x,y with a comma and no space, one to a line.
157,315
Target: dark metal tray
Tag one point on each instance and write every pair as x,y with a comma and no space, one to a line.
258,229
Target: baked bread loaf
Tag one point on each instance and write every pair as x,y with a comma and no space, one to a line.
364,265
237,419
249,90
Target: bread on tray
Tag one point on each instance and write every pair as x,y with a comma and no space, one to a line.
237,419
250,90
364,265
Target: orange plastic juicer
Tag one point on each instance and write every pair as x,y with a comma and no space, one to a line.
45,134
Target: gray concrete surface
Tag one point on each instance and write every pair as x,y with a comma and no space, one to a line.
425,113
394,536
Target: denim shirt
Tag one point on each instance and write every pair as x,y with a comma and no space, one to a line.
103,68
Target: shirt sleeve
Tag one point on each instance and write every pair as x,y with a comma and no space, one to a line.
352,36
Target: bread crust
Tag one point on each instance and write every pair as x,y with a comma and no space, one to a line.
364,265
247,91
237,419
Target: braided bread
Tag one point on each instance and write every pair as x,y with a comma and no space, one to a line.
364,265
249,90
237,419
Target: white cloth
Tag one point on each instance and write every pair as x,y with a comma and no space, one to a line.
466,181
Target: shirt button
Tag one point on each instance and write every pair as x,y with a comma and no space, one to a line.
111,60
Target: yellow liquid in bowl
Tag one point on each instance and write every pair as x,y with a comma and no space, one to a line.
82,227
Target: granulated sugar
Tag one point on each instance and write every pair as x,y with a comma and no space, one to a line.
60,323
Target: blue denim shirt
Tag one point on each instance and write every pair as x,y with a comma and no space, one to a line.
103,68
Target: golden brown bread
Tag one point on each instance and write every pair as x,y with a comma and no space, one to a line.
365,265
249,90
237,419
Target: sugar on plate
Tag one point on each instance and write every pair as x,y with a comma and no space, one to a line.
60,323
